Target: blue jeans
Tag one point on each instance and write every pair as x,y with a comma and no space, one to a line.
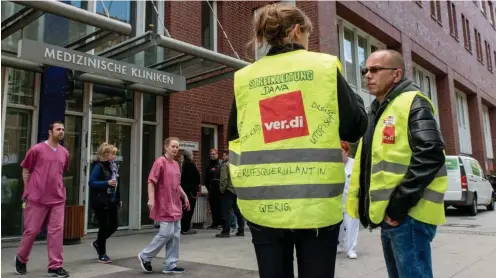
407,249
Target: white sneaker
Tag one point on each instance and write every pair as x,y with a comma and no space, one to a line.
340,249
352,255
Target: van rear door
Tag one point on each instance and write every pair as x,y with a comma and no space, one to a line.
454,191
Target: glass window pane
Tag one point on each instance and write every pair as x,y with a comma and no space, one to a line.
113,102
349,47
62,30
362,57
149,107
72,142
120,10
20,86
373,48
74,98
147,159
428,87
15,145
421,80
207,28
154,54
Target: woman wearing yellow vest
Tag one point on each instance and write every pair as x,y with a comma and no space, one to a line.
291,110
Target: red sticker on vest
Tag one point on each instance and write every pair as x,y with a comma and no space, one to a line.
283,117
388,131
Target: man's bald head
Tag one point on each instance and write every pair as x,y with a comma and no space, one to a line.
392,58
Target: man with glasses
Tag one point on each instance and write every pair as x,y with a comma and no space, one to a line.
399,178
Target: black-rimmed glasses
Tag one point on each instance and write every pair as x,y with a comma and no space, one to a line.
375,69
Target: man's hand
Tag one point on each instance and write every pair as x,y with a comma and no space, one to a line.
151,203
120,205
186,204
391,222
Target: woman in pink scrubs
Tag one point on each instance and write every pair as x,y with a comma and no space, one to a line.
164,200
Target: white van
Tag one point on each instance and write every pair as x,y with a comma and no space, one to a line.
467,185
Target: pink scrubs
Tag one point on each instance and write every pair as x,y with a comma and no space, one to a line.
45,201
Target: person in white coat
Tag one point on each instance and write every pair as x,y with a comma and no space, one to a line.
348,233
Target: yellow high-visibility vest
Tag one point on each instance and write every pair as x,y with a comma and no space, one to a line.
391,154
287,166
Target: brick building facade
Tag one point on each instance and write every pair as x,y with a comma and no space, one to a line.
424,32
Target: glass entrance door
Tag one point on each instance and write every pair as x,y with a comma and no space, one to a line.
118,134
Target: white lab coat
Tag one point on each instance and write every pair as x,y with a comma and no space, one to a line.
348,233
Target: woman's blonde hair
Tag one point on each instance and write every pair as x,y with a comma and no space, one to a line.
104,149
275,24
169,140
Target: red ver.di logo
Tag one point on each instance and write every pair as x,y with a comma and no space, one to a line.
388,131
283,117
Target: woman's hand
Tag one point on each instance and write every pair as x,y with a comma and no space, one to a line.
186,205
151,204
112,182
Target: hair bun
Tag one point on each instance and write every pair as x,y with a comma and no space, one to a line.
275,24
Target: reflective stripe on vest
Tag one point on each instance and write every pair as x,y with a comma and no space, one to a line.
293,191
289,156
287,165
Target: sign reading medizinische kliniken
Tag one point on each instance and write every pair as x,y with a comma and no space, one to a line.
71,59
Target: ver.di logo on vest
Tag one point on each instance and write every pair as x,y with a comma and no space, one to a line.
283,117
388,131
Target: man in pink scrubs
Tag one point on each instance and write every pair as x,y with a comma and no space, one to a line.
44,195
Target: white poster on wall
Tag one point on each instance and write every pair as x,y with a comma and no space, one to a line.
189,145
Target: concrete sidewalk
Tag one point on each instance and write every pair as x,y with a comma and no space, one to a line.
455,254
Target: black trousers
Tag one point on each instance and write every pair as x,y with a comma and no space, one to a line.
215,202
315,251
188,215
108,222
230,201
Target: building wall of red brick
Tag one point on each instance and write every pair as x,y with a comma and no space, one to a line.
409,27
492,121
400,25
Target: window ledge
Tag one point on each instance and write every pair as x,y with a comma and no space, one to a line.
455,37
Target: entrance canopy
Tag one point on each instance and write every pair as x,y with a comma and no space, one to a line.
150,57
106,28
198,65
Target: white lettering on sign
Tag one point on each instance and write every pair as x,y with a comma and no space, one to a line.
297,122
93,62
83,62
97,63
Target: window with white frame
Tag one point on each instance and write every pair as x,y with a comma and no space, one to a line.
355,46
427,84
209,25
262,49
463,123
487,132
